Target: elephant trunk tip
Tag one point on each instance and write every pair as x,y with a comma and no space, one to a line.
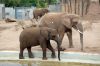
59,59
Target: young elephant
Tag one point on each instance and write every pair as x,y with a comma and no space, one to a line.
39,12
38,36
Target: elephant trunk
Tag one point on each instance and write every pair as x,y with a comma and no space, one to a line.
81,40
79,28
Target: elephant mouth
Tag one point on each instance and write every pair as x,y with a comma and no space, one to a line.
80,31
77,29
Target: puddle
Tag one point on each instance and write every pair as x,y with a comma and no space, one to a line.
9,58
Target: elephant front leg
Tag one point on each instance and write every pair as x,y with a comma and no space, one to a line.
30,52
43,46
44,54
21,53
69,34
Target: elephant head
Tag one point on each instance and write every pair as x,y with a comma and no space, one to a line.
45,10
74,22
37,13
51,34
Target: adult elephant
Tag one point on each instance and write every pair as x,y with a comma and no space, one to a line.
39,12
63,23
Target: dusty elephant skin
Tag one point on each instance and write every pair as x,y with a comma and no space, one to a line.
38,36
63,23
39,12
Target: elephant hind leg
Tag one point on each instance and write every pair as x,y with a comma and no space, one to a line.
51,49
30,52
69,34
21,53
61,35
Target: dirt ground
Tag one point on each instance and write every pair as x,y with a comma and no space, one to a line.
9,38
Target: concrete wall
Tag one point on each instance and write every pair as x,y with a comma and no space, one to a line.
2,11
9,12
23,12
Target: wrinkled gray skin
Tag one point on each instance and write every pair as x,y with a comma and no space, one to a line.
39,12
63,23
35,36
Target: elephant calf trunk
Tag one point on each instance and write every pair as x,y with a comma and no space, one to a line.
59,43
59,52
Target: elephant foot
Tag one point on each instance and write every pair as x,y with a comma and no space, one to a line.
44,58
71,46
21,56
31,56
82,50
62,49
53,55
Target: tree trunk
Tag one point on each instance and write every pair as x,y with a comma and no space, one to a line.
75,6
82,7
78,7
87,6
70,6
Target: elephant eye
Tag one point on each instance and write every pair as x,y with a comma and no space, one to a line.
53,36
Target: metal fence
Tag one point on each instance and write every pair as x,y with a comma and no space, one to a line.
22,13
2,11
9,12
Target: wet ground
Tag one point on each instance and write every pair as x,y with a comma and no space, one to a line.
10,58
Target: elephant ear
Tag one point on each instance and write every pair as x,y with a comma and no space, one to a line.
45,33
75,20
76,24
66,21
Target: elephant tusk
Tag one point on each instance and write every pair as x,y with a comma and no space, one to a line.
51,22
80,32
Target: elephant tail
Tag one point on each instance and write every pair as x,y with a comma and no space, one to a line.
22,27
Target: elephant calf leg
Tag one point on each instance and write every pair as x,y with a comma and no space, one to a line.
44,54
21,53
30,52
51,49
43,46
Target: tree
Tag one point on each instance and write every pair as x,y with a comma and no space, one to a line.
11,3
27,3
79,7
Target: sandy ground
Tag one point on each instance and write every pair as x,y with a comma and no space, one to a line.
9,38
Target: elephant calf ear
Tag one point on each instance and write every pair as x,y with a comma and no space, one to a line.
45,34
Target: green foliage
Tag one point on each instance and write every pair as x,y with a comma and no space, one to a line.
28,3
11,3
41,4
